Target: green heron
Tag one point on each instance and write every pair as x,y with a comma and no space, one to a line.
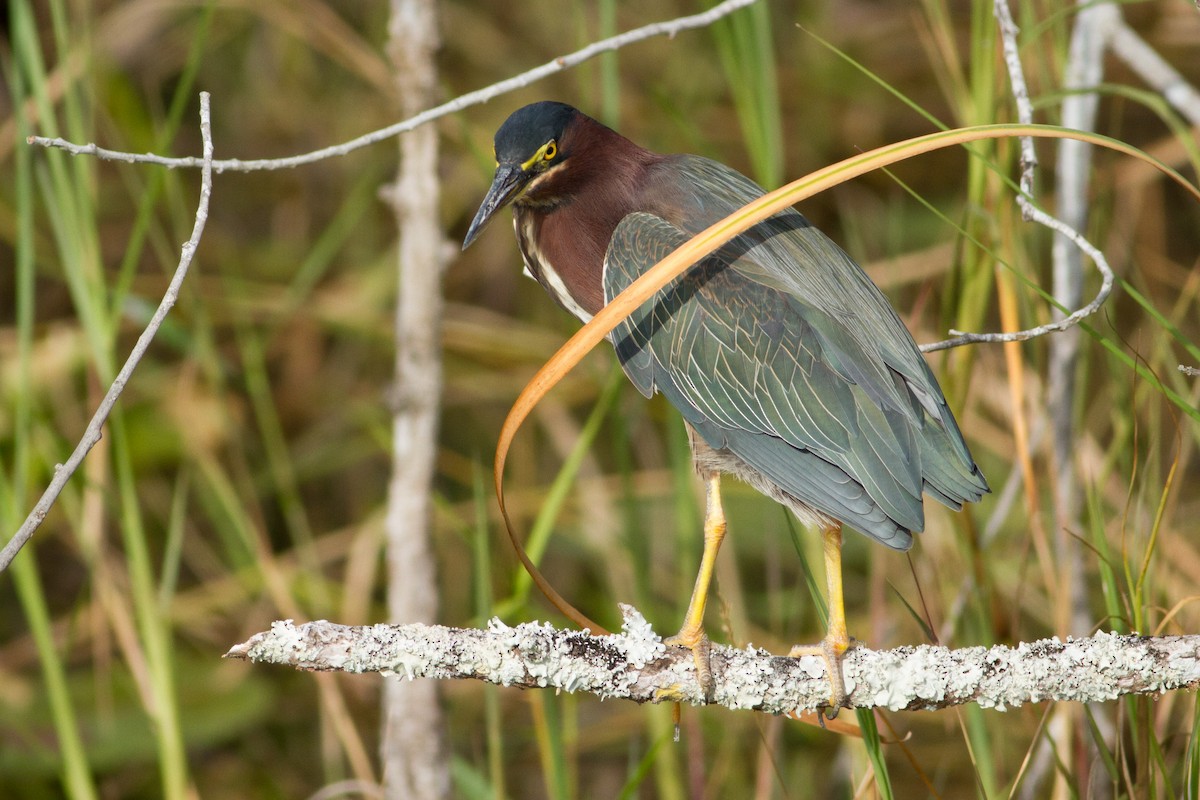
791,370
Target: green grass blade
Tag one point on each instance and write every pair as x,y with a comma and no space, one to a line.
481,577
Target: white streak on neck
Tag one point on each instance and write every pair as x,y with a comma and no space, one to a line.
550,280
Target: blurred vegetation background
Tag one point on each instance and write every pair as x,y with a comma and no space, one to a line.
242,478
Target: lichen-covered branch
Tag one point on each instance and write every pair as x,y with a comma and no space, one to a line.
636,665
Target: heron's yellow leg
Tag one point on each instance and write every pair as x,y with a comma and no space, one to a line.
691,635
837,640
832,547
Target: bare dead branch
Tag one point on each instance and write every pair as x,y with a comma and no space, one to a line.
1019,88
416,763
1155,71
636,665
93,432
668,28
1030,211
1083,72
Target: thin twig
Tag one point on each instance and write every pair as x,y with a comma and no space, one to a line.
63,472
1016,74
1106,284
668,28
636,665
1020,92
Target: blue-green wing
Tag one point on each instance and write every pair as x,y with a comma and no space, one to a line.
863,339
776,381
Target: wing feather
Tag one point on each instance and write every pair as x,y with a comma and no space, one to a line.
779,350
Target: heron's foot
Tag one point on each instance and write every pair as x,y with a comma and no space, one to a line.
833,650
701,647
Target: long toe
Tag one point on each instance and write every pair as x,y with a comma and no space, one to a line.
701,648
832,650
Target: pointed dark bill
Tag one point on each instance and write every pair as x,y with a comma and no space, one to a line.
509,181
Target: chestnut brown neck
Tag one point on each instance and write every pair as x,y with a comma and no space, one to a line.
567,217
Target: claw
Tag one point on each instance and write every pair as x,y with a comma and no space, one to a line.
691,635
836,642
832,649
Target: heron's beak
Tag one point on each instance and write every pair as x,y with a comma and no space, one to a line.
507,184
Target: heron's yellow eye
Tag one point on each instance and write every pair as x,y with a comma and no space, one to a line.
550,150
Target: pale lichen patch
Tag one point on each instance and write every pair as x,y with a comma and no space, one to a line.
635,664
